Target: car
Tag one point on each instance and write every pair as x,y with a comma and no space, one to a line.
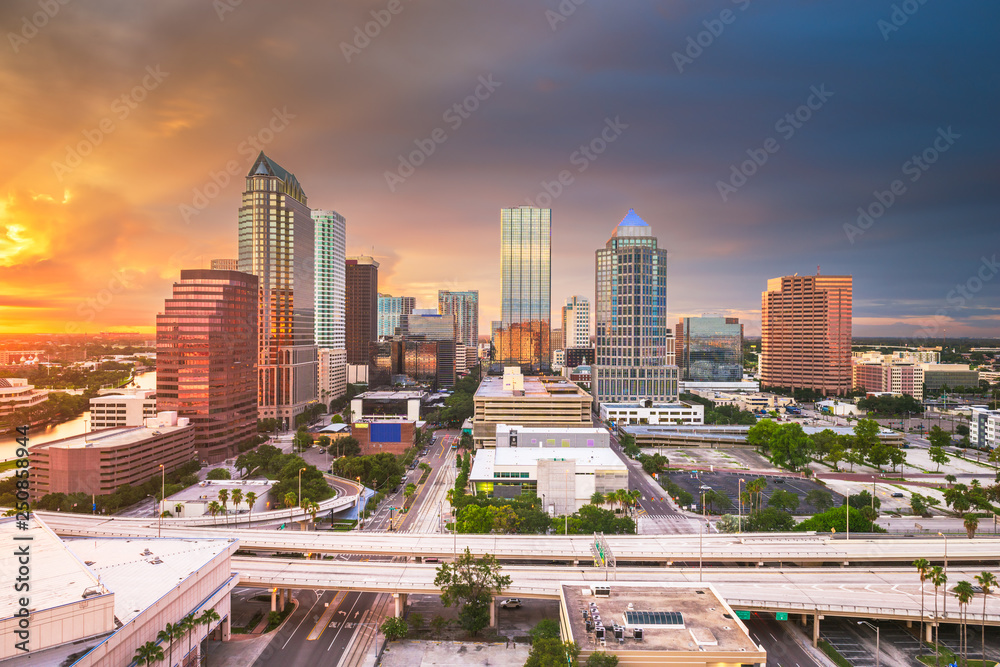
898,494
511,603
322,451
779,481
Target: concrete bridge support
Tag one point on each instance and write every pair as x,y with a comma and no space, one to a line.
493,613
400,599
274,600
816,620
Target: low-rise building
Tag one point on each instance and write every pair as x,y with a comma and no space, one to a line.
100,461
521,436
984,427
195,500
839,408
122,407
939,376
727,436
527,401
17,394
746,386
648,412
564,478
388,405
392,436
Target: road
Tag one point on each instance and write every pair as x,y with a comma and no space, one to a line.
779,642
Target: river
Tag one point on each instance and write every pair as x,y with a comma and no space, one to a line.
8,444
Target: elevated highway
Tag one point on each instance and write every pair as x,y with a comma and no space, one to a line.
779,549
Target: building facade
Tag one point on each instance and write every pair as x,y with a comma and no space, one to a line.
634,346
710,349
393,314
440,329
806,334
888,375
17,395
277,244
362,307
576,322
522,336
123,408
225,265
464,308
941,377
330,266
206,344
984,427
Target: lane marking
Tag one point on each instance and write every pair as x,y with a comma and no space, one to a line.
324,620
308,613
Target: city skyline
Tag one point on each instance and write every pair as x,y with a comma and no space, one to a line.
133,170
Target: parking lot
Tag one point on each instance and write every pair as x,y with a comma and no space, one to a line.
728,483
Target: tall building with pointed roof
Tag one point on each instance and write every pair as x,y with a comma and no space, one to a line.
634,347
276,244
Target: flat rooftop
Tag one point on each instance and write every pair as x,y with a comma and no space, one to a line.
391,395
487,460
535,387
734,432
619,406
706,621
211,488
111,437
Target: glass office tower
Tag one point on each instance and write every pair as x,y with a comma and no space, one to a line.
393,312
276,244
526,288
635,348
331,249
710,349
464,307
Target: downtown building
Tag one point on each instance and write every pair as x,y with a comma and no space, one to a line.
806,334
330,328
522,335
463,307
710,349
206,358
393,312
277,244
362,309
634,351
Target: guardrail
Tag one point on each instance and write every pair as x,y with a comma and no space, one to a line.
861,610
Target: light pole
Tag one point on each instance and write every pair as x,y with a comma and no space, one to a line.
361,510
701,546
847,511
877,639
740,497
163,490
944,610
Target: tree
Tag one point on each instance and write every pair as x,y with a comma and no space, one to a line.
409,490
187,624
602,659
219,473
237,496
546,628
224,499
251,499
438,623
964,594
923,569
783,500
214,508
548,652
148,653
836,455
167,635
472,583
819,499
597,498
988,583
865,435
880,454
290,499
759,435
938,578
789,446
302,439
896,457
769,520
971,525
394,628
938,456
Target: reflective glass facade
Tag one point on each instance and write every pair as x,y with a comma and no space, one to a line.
526,287
331,248
634,346
710,349
392,314
277,244
464,308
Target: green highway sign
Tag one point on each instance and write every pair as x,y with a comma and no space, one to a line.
781,616
742,614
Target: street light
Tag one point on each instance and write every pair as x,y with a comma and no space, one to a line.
877,639
740,496
163,491
847,511
944,611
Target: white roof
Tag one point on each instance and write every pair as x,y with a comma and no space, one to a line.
487,460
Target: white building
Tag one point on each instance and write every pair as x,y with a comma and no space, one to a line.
648,412
840,408
195,500
576,322
16,394
130,407
727,387
524,436
564,478
984,427
330,268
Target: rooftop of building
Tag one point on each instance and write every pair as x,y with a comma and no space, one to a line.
705,622
735,431
392,395
679,405
112,437
211,488
530,430
535,388
487,460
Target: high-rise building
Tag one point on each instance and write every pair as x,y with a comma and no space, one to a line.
362,308
393,312
277,244
526,288
806,333
206,357
635,347
430,326
331,257
576,322
464,308
710,349
225,265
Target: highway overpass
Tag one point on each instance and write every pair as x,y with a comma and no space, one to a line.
757,549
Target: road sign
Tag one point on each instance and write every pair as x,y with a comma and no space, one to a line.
781,616
742,614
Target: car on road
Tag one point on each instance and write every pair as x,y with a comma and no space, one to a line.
511,603
897,494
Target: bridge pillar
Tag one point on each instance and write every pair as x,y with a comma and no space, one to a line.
816,630
274,601
400,599
909,623
804,619
225,629
929,632
493,613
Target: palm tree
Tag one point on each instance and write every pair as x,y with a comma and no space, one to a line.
597,498
237,499
207,617
988,582
224,499
167,635
251,499
187,624
290,499
214,508
635,495
923,569
964,593
148,653
938,578
971,525
311,507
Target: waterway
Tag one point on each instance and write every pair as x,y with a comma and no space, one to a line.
8,444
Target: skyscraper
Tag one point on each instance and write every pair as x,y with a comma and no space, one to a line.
635,348
464,308
331,249
526,287
393,312
806,333
206,354
362,308
576,322
710,349
226,264
276,244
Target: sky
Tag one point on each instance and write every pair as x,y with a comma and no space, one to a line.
758,139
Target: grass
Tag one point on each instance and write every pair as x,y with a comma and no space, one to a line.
832,653
275,618
947,657
8,465
250,625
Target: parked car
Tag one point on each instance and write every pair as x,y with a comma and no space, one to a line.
511,603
